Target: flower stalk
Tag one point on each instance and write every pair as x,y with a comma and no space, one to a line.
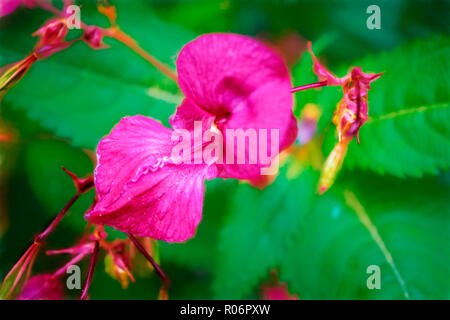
84,294
22,269
116,33
161,274
309,86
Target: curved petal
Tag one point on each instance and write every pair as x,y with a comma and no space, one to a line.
323,73
264,114
135,145
141,190
189,112
218,71
167,205
244,84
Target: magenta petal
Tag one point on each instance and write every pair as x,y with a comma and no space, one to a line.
187,113
42,287
263,111
244,84
141,190
8,6
166,205
323,74
219,71
135,142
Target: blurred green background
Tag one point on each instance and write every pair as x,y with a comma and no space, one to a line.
320,245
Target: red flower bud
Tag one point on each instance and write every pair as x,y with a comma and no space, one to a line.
52,33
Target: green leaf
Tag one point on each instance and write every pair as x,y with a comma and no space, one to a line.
407,133
323,245
51,185
259,227
80,93
402,232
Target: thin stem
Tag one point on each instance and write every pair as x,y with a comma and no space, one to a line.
309,86
21,268
116,33
72,261
91,272
29,256
121,36
85,188
25,263
43,235
158,269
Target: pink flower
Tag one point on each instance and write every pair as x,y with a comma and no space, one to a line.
352,111
42,287
229,82
235,82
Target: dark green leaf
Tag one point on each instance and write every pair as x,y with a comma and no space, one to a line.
259,227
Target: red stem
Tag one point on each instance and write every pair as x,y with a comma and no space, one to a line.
28,257
91,272
80,190
309,86
72,261
43,235
158,269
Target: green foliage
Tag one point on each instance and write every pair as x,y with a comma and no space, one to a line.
50,184
260,225
80,94
322,245
328,260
